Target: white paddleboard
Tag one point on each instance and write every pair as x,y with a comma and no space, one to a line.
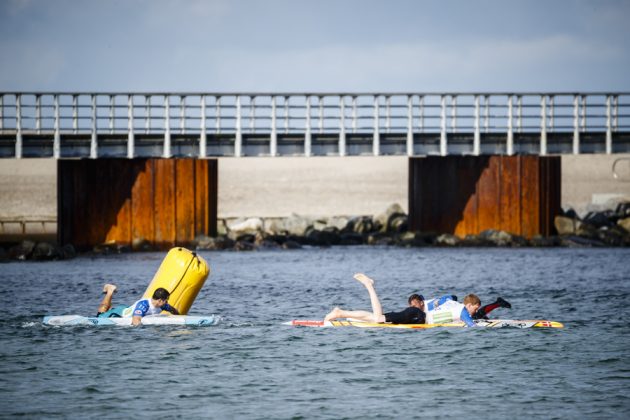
193,320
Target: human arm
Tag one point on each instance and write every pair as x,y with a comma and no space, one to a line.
465,316
139,311
170,309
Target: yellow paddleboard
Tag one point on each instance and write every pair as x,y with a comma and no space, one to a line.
487,323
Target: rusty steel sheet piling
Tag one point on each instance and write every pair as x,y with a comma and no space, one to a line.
465,195
165,202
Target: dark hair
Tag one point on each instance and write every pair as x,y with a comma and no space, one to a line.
415,297
161,293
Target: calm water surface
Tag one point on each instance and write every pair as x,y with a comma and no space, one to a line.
251,366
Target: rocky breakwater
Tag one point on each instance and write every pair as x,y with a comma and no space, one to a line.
40,251
595,229
605,228
609,228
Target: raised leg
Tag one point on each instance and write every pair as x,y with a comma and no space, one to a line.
377,311
106,303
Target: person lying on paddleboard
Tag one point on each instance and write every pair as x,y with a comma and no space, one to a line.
412,315
446,310
480,313
140,308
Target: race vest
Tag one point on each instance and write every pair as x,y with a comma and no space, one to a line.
444,312
141,308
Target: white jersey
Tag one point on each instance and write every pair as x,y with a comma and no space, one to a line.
143,307
445,310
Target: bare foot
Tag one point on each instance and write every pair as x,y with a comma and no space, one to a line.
334,314
109,288
363,279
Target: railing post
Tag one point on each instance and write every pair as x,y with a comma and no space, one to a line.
130,133
252,114
203,135
111,114
409,125
167,127
443,145
510,133
238,140
551,112
321,114
286,115
454,113
18,126
388,113
273,141
75,114
543,125
608,126
93,139
217,113
519,102
307,131
376,139
576,124
1,112
486,122
38,114
354,114
57,129
477,135
342,127
421,114
583,113
616,113
182,114
147,114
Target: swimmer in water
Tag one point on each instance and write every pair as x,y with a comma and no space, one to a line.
140,308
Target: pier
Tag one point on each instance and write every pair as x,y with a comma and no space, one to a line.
492,132
200,125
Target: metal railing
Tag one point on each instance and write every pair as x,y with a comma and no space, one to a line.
232,116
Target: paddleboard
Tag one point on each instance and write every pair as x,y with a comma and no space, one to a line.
65,320
486,323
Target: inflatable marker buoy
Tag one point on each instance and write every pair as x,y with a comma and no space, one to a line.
182,273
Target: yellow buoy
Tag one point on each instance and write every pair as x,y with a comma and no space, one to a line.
182,273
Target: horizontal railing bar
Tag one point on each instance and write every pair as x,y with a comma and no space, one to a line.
315,94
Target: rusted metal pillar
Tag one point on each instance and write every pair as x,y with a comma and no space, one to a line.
166,202
468,194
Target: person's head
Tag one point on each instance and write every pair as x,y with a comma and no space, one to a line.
417,301
160,296
472,303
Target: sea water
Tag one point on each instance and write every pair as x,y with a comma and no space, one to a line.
251,366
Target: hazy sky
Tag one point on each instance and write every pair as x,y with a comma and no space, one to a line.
314,45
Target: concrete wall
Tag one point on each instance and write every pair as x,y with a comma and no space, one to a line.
320,186
588,183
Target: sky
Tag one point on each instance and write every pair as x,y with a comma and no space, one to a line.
314,46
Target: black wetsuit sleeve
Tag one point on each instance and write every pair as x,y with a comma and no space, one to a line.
410,315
